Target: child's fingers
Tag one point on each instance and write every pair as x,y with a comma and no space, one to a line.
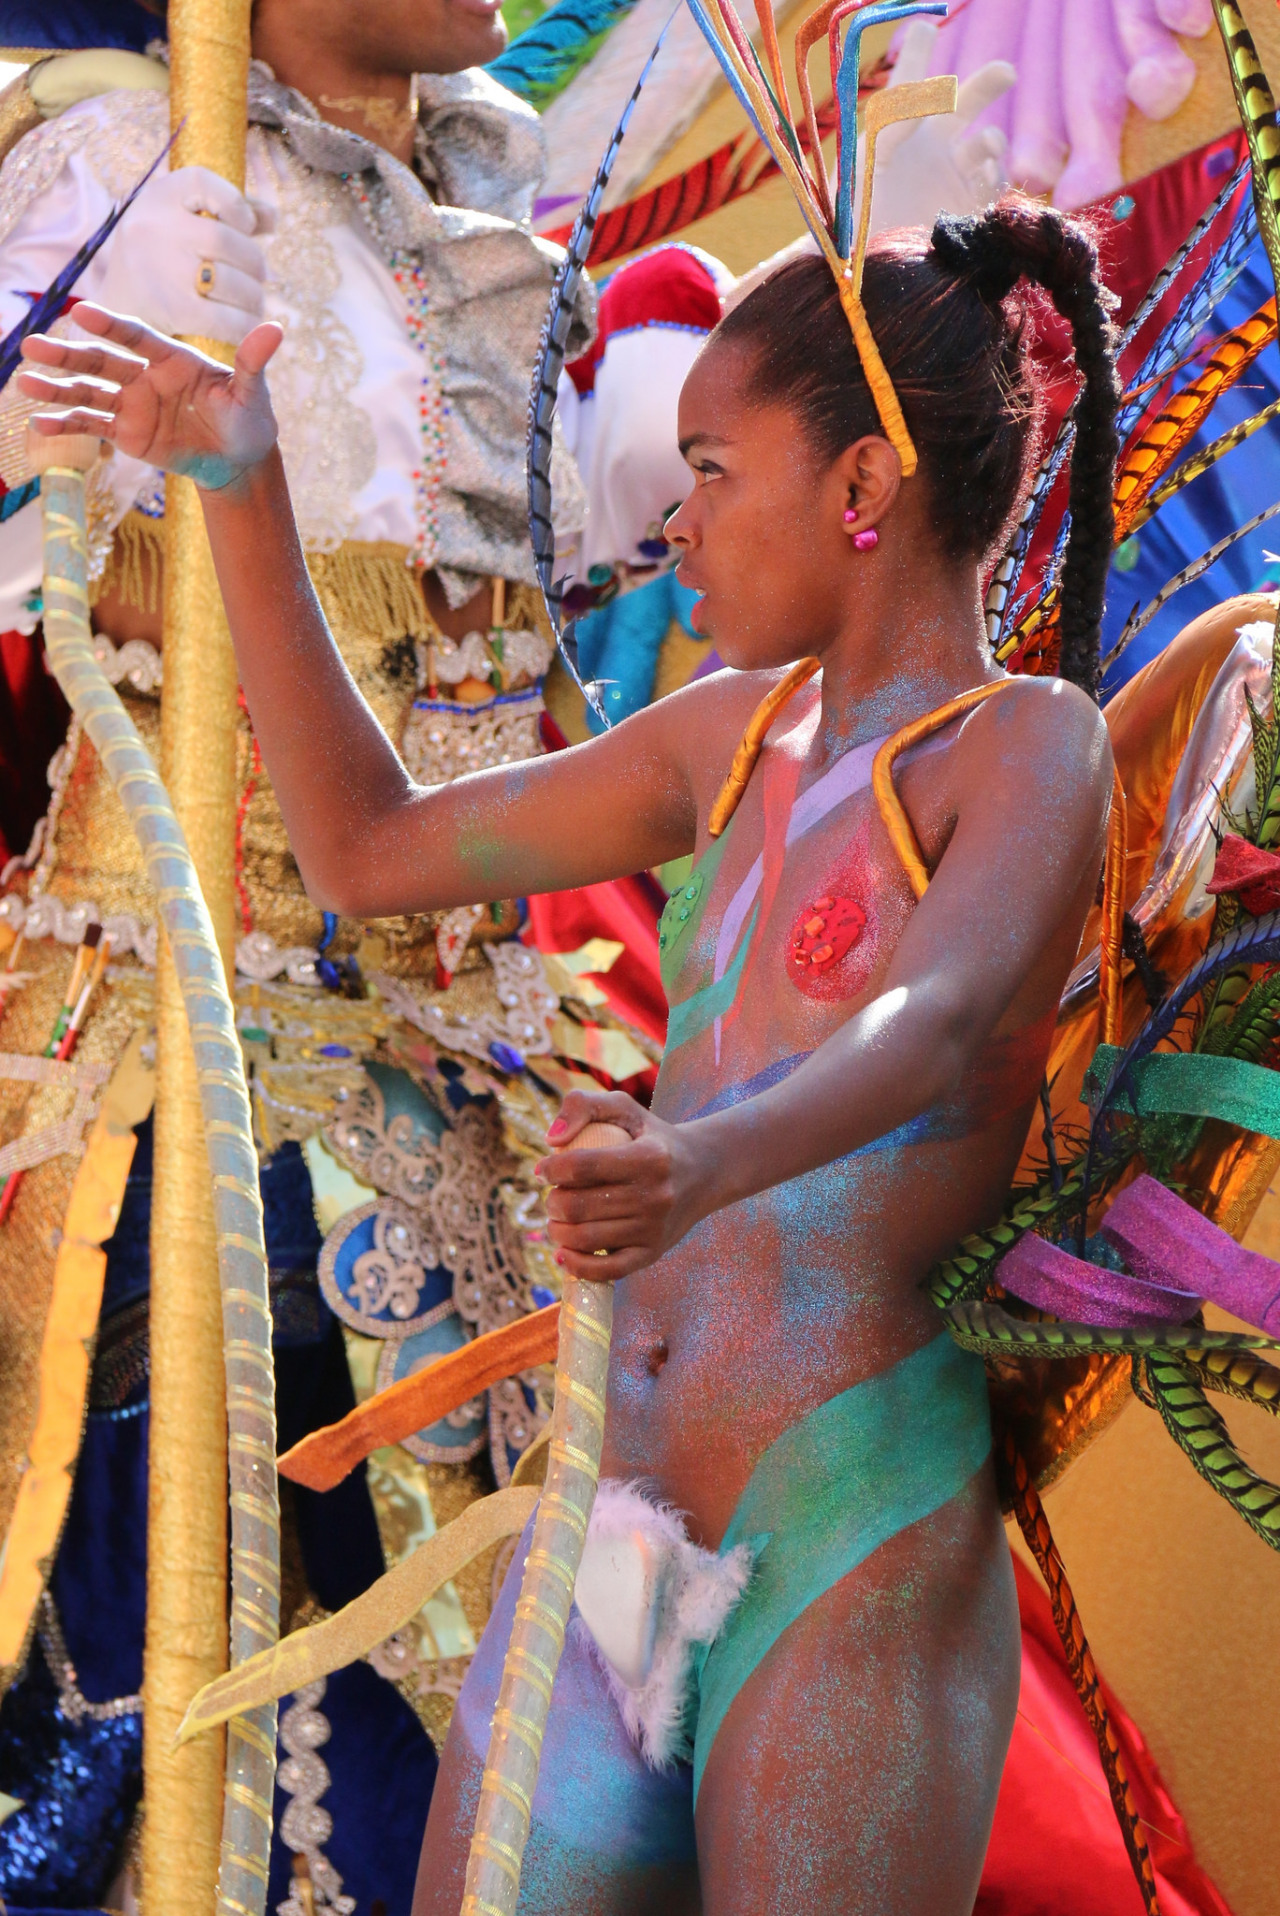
611,1200
122,330
51,425
582,1108
102,362
96,394
577,1170
617,1234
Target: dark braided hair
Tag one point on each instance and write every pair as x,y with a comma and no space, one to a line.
956,340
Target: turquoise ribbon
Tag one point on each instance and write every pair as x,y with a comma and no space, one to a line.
1191,1084
694,1014
832,1489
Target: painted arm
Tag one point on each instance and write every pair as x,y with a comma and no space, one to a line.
1000,921
369,842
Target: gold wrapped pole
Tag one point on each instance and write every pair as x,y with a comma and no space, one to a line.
187,1632
510,1777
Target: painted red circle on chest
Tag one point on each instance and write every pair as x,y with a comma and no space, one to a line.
823,933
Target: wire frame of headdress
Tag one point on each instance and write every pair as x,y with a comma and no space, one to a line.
762,90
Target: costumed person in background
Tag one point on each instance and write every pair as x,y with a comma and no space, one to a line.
848,1077
403,1074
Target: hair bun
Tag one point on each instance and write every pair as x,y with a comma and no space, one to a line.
975,250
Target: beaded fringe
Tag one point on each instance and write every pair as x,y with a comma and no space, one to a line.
368,586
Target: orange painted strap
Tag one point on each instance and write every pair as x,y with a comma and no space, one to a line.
1178,421
744,759
1111,932
325,1457
896,822
65,1357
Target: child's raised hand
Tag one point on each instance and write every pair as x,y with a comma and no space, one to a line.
155,399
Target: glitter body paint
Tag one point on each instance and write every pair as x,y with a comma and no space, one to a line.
858,1765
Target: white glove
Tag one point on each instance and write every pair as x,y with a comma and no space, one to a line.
184,230
927,167
69,78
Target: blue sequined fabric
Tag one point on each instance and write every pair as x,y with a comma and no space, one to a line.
79,1782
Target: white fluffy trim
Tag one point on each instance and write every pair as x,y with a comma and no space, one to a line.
699,1590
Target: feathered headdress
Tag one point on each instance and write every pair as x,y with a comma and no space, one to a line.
797,148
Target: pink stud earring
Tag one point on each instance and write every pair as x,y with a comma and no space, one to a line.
850,515
866,540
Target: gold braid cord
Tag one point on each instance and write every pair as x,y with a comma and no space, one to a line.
546,1592
242,1264
1034,1526
907,846
891,809
752,743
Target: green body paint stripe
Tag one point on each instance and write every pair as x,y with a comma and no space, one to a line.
1193,1084
676,934
693,1015
830,1491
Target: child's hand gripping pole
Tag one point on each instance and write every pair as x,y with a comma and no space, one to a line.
546,1592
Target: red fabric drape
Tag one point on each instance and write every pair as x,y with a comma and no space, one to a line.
626,909
1056,1848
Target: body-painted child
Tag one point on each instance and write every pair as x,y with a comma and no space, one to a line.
849,1074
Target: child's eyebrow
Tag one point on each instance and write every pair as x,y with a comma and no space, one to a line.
701,439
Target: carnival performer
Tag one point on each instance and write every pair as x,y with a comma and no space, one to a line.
386,228
849,1073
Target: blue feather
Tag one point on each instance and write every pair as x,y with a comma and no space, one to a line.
1168,273
542,398
847,99
1215,282
1177,338
20,496
730,71
51,302
543,59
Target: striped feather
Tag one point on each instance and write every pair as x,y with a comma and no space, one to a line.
1205,1441
542,399
1201,461
1194,311
1257,109
1209,289
51,302
1023,1498
967,1273
1151,452
991,1331
1138,620
1237,1374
